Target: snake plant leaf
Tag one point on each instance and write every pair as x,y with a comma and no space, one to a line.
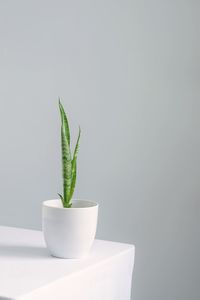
64,204
73,180
65,121
66,159
73,183
68,164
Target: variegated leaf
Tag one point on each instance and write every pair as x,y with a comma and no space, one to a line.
73,183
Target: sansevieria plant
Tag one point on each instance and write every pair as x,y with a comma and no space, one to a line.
69,225
69,163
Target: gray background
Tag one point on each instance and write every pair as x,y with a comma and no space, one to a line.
128,73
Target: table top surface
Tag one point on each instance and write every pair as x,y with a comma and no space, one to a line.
25,263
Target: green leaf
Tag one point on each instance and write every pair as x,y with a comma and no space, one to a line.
65,122
73,180
73,183
66,157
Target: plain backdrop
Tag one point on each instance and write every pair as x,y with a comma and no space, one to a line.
128,72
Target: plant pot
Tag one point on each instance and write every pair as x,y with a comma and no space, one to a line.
69,232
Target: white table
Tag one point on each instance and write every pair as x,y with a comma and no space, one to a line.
28,272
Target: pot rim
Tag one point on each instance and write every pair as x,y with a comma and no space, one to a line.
91,204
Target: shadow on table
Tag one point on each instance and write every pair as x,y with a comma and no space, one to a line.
23,251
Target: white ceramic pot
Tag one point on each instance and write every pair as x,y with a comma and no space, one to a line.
69,232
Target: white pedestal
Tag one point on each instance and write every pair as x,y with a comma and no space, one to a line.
28,272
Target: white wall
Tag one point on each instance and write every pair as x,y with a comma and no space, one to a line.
128,73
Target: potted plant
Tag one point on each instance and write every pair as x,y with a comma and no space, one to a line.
69,225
